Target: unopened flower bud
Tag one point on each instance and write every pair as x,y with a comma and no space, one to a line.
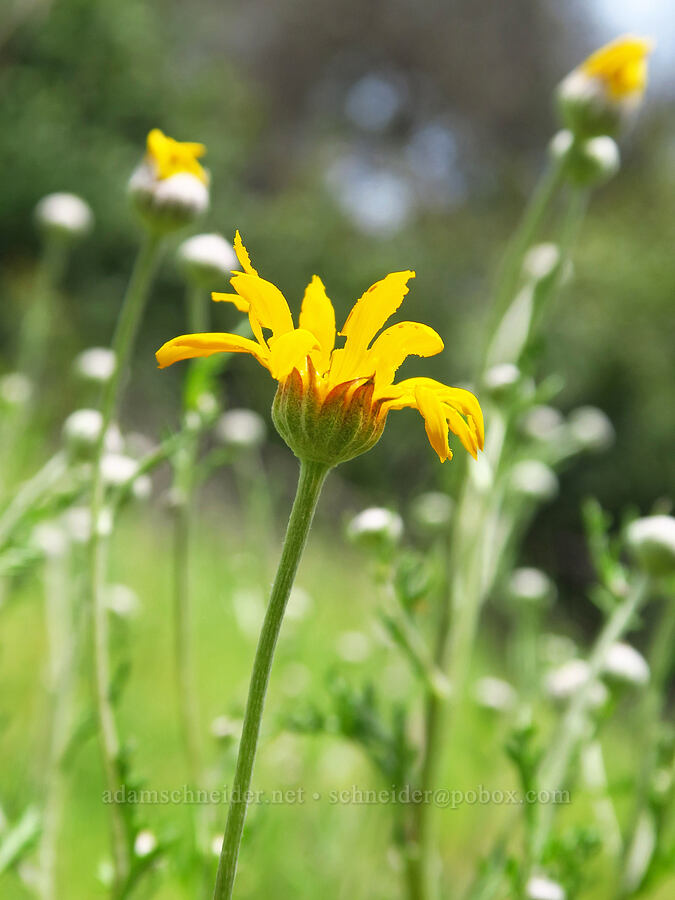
494,694
625,663
539,887
590,429
122,600
589,161
15,389
431,512
118,470
543,424
569,678
531,587
77,522
95,364
651,541
206,259
145,843
502,380
534,479
541,261
81,432
241,429
170,188
64,215
375,527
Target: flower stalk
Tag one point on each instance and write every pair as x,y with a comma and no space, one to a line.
123,342
312,476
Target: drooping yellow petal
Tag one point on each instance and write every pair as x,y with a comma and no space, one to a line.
267,304
621,65
399,341
174,157
242,255
318,316
459,427
435,423
189,346
397,396
368,315
241,304
290,352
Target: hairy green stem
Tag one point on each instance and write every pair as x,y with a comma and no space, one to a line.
312,476
660,666
123,342
555,766
184,460
473,560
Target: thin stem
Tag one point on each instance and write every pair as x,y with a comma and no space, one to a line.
123,342
524,235
61,653
312,476
555,766
474,559
660,664
183,486
29,494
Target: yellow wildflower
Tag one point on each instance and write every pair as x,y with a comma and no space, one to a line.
620,65
597,97
175,157
332,402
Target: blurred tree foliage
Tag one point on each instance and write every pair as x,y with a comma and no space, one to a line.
276,91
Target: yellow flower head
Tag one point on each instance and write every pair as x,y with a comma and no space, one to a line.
332,402
621,66
174,157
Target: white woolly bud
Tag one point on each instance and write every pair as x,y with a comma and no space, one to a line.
651,541
145,843
432,511
531,587
534,479
64,215
543,423
95,364
590,429
241,428
625,663
495,694
569,678
541,888
377,526
15,389
353,646
206,259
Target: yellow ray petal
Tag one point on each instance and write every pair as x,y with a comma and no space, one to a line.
621,64
290,352
268,304
399,341
318,316
403,394
434,421
241,304
242,255
172,157
189,346
459,427
368,315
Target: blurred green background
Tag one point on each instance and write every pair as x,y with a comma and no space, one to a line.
348,139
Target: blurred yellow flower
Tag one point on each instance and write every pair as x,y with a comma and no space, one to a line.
344,388
175,157
620,65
